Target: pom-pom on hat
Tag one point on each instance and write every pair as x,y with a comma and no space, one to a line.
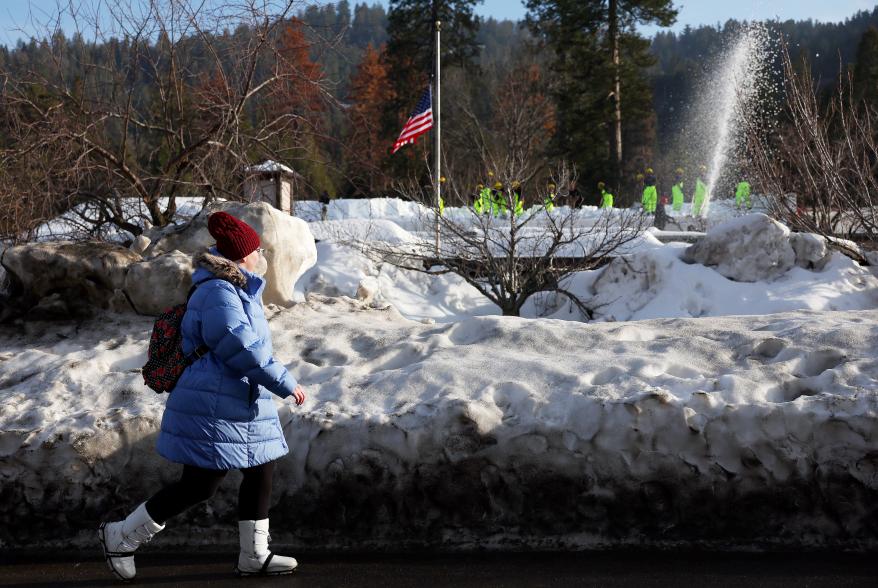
235,239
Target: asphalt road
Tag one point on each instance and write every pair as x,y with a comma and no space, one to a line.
612,569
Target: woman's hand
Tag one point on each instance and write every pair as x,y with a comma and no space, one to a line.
299,395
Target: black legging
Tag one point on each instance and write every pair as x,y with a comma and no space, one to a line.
197,485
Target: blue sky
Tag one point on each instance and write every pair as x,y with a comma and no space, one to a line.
14,13
696,12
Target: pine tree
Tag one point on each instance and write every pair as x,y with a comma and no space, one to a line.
410,46
603,94
295,109
866,68
368,146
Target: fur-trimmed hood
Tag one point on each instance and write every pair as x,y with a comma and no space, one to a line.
222,268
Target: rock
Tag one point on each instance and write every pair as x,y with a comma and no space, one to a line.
750,248
50,308
140,244
289,245
811,250
81,274
367,289
155,284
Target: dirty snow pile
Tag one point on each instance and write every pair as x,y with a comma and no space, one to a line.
492,431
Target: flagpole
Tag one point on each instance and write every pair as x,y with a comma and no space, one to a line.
437,149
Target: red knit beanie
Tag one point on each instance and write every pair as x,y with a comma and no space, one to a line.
235,239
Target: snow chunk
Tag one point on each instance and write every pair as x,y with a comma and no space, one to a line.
751,248
811,250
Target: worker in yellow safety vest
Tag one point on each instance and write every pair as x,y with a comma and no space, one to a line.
606,197
517,200
650,192
549,200
742,195
498,199
677,196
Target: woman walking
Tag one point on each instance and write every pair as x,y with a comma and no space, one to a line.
220,415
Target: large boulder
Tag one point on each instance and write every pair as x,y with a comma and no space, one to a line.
289,244
80,275
750,248
155,284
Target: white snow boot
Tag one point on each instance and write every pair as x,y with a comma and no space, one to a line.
255,559
122,538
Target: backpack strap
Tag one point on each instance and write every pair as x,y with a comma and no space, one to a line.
201,350
196,284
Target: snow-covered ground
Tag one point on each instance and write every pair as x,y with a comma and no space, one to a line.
431,421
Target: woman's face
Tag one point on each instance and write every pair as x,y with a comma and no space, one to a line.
255,262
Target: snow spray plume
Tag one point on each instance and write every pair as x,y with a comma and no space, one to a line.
734,97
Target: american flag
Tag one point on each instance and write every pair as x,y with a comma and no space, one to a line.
420,121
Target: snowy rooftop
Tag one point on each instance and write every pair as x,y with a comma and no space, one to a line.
270,166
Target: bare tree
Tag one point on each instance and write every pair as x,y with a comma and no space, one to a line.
506,257
124,111
821,167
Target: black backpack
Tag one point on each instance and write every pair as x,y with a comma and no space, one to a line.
165,358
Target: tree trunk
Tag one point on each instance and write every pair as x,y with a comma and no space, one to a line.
617,91
512,309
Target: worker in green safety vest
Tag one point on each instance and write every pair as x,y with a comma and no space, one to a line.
485,201
677,196
517,200
549,200
650,193
742,195
639,179
606,197
498,199
700,192
441,200
477,203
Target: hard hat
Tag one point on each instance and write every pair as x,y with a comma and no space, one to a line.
601,185
649,170
497,185
551,185
638,177
515,183
680,171
490,174
480,186
703,168
441,179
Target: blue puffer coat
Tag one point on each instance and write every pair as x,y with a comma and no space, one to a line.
221,414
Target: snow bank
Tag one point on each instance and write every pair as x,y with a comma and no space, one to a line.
490,432
657,284
650,282
342,271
